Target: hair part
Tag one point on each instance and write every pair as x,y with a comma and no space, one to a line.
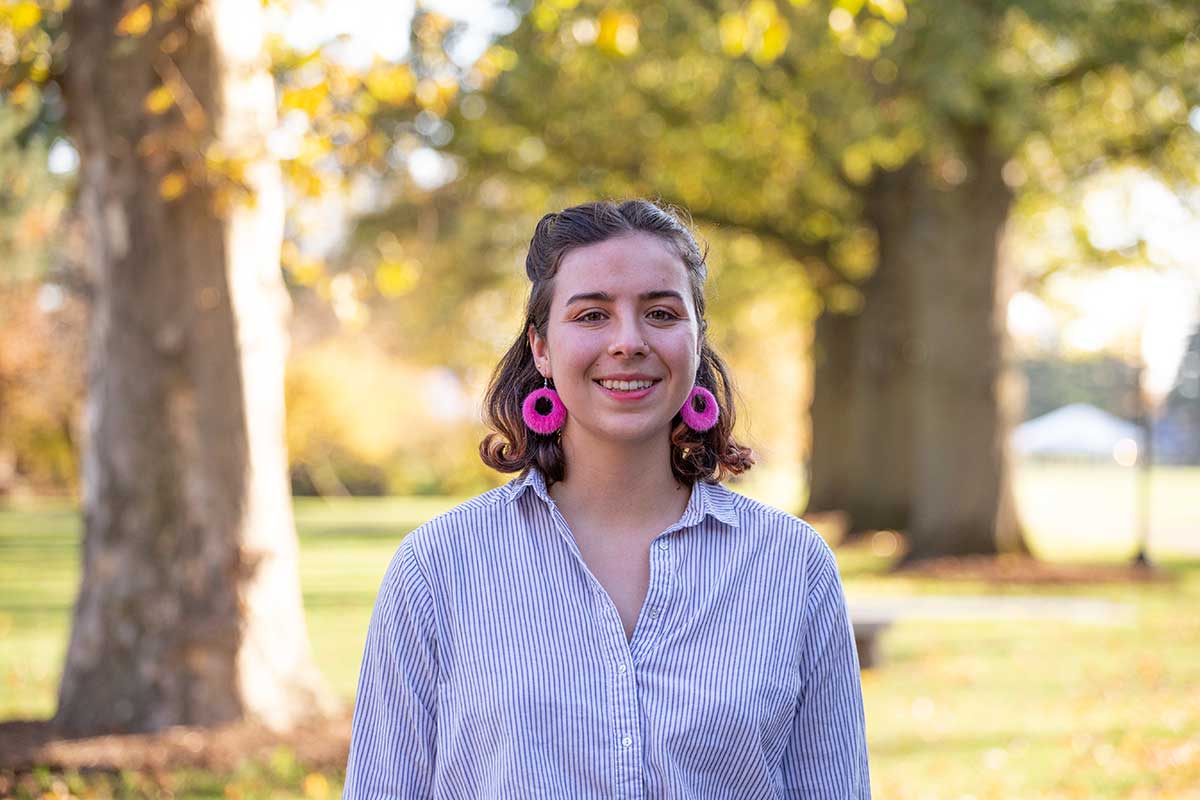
512,446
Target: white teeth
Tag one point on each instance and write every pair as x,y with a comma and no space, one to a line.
626,386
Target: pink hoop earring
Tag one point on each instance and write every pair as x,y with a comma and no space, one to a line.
702,418
543,409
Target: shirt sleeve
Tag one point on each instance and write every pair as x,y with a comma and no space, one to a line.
826,757
393,734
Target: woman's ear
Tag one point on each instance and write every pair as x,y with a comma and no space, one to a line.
537,346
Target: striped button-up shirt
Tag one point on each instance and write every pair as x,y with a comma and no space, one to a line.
496,665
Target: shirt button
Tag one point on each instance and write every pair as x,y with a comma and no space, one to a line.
663,545
621,669
627,741
654,614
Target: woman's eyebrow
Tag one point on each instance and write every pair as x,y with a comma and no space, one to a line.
605,297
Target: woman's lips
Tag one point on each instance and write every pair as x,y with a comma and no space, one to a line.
634,395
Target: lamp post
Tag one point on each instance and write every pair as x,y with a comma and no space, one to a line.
1145,461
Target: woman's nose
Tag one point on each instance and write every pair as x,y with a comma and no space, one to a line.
627,339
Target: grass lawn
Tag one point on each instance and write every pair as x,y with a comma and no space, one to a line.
1029,709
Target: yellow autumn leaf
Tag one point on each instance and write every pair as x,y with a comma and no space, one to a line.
172,185
390,84
289,253
867,50
316,786
857,164
761,12
544,17
618,32
24,16
878,32
39,70
732,28
394,278
313,148
894,11
305,271
229,170
309,99
773,43
22,94
159,100
505,58
136,21
173,41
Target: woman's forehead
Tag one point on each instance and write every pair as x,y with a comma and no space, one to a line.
628,265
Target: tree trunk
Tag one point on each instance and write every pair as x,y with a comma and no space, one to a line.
830,481
962,470
189,611
862,405
921,405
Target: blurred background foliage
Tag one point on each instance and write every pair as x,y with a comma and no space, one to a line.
415,177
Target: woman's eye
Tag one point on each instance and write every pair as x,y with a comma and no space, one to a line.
596,316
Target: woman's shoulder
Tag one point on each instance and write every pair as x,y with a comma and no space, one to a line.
763,517
466,521
780,534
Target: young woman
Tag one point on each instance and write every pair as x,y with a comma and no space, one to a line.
614,622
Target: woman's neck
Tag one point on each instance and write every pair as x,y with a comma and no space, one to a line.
627,486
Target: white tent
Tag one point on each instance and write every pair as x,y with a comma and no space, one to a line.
1078,430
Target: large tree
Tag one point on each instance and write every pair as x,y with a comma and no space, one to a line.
882,146
1009,99
189,610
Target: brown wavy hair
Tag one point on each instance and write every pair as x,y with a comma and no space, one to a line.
512,446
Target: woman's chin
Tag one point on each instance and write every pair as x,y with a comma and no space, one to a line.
633,432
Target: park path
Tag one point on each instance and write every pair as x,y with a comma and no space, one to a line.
992,608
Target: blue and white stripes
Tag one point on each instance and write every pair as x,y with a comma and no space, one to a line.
496,666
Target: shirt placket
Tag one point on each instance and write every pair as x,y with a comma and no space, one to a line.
624,656
654,615
626,739
627,734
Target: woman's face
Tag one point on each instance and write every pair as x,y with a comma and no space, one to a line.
621,309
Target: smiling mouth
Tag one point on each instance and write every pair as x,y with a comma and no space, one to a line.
653,383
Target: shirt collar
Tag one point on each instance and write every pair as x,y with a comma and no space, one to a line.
707,498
